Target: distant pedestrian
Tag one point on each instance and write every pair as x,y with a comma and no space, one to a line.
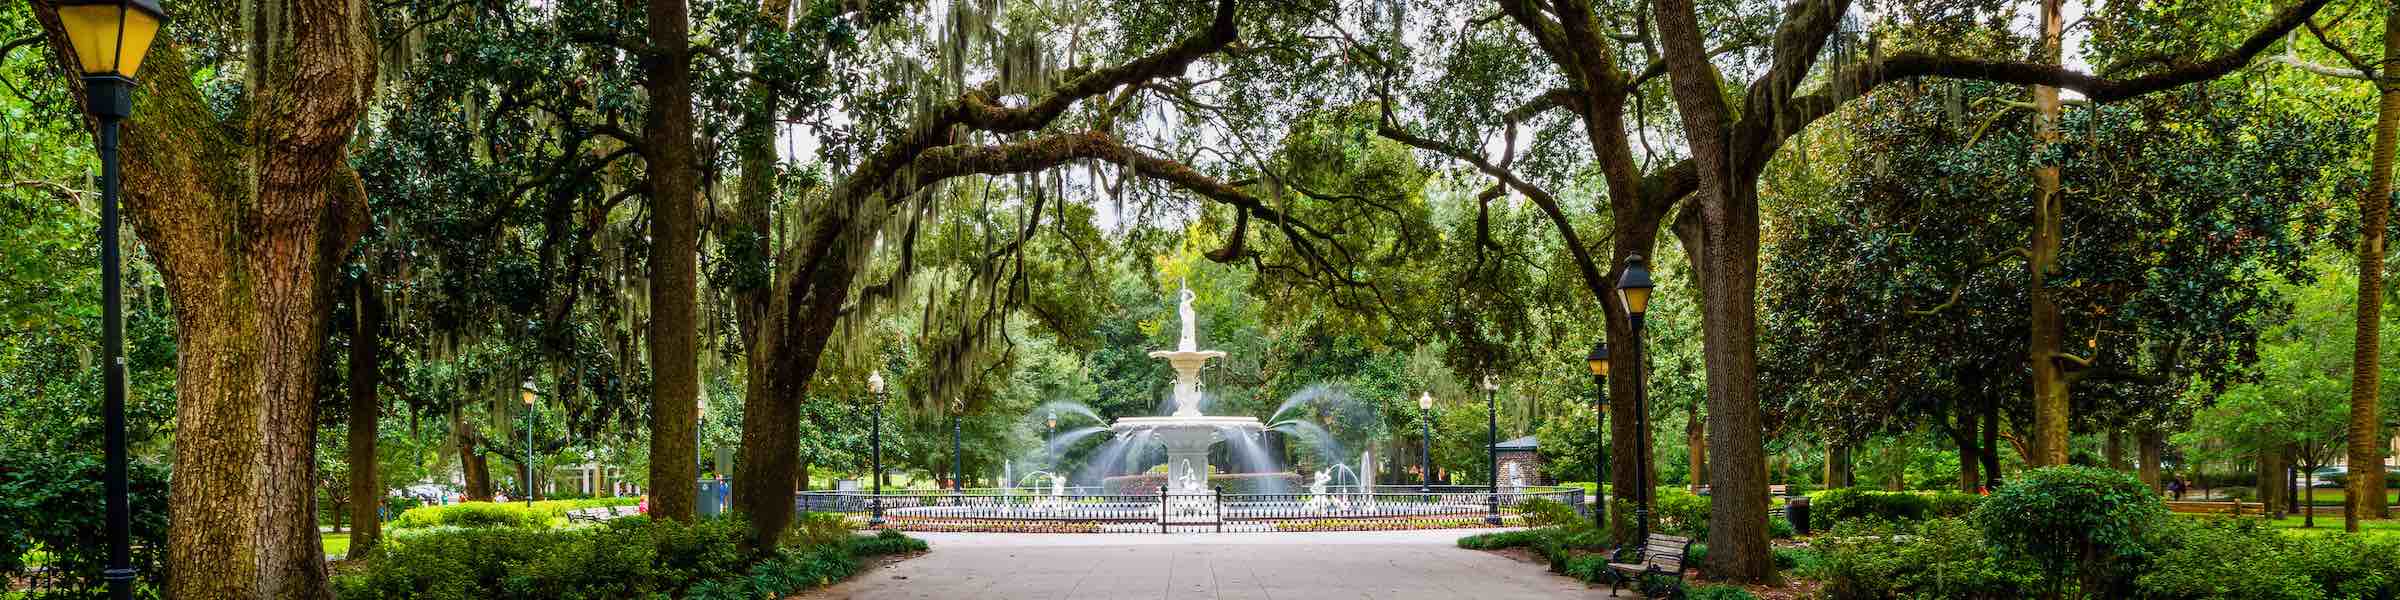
2175,487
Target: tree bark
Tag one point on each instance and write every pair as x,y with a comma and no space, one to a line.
1695,440
2366,481
2148,439
366,408
2048,328
1991,445
1970,468
2271,496
674,247
1837,466
2113,450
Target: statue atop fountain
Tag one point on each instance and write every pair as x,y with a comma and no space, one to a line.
1187,433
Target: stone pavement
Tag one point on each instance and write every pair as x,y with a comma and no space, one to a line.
1392,565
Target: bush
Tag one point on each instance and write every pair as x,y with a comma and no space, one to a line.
471,515
2232,558
51,501
1681,513
1501,539
1544,512
2084,522
1938,558
1833,507
1779,528
625,558
1952,504
1717,592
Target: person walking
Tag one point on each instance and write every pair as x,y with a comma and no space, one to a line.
2175,487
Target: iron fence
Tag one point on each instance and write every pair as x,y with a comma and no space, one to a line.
1080,510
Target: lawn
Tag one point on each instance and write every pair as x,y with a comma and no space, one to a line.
336,544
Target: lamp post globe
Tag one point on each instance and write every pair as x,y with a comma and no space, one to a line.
1597,361
110,39
1633,289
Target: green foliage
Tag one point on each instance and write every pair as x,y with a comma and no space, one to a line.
1717,592
2084,522
1681,512
499,514
632,557
1544,512
1502,539
2230,558
1779,528
50,502
1938,558
1835,506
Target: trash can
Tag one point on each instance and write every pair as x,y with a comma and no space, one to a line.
1795,510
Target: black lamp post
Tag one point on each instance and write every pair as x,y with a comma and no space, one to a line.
1491,448
1598,361
526,485
875,437
1633,288
956,462
110,39
1425,414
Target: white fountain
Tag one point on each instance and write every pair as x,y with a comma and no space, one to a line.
1187,434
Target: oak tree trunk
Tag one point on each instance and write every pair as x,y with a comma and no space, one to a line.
2148,441
1695,439
2048,327
674,247
2113,449
2366,368
366,361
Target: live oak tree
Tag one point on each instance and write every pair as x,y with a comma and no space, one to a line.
1731,145
247,213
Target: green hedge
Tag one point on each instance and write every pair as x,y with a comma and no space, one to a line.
500,514
629,558
50,502
1833,507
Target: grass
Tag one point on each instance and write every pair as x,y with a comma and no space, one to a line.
2376,528
337,544
2334,496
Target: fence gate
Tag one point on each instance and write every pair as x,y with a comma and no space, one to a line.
1190,511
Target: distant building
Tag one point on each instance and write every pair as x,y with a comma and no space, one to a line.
1522,457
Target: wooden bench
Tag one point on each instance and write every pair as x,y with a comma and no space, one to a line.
1778,490
600,513
2236,508
1661,553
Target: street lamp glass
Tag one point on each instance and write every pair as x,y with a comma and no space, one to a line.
110,36
1425,401
1598,359
1490,384
875,382
528,393
1634,286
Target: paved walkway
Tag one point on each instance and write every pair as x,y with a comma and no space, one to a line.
1228,566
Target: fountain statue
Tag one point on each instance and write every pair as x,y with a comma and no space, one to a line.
1187,433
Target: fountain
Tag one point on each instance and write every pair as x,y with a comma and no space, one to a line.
1187,434
1341,496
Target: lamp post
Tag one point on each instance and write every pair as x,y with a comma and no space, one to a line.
1425,414
875,437
1633,288
110,39
1491,448
526,484
1598,361
956,461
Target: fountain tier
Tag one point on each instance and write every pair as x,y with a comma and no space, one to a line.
1187,433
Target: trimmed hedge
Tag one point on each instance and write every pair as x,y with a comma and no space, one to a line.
1833,507
629,558
499,514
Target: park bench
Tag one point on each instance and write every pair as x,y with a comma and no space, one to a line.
2236,508
600,513
1773,491
1661,553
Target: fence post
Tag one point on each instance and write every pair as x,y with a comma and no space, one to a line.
1162,509
1218,511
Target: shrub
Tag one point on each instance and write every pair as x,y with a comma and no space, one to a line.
884,542
1779,528
2232,558
1833,507
50,501
1952,504
471,515
1544,512
625,558
1680,512
1501,539
1717,592
1938,558
2084,522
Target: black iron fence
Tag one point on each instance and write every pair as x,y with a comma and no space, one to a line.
1082,510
